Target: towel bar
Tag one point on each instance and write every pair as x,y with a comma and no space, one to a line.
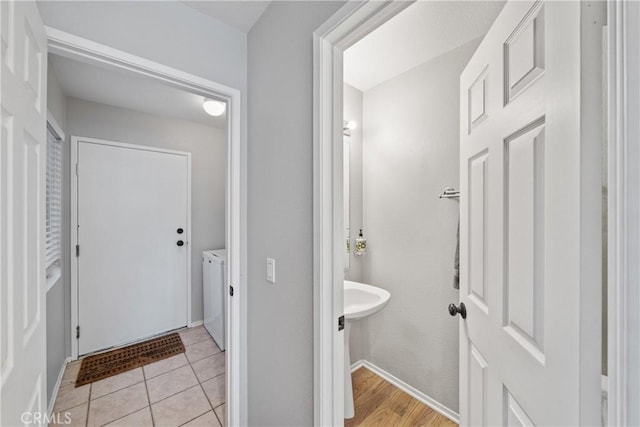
449,193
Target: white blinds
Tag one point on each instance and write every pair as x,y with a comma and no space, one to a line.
54,199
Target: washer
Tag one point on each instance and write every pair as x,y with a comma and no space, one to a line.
214,279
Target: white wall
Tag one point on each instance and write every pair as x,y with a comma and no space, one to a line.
411,153
208,147
280,215
57,297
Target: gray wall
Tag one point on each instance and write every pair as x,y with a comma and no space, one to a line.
605,215
353,111
56,99
280,219
411,153
57,301
170,33
208,168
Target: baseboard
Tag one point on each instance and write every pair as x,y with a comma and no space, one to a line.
56,388
410,390
357,365
196,323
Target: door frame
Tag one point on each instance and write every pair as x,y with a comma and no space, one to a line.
623,220
348,25
73,229
354,21
84,50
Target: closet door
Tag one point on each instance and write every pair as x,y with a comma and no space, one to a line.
23,112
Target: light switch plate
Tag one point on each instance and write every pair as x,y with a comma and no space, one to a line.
271,270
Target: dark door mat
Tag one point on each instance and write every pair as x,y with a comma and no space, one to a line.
114,362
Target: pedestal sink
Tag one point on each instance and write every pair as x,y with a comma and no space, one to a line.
360,301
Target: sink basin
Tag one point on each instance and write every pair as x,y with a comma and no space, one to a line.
361,300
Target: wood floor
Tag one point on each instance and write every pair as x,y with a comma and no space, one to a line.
379,403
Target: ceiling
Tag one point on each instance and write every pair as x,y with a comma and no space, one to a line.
130,91
423,31
239,14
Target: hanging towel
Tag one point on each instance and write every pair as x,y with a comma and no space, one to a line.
456,260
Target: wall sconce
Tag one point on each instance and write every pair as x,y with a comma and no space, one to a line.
348,126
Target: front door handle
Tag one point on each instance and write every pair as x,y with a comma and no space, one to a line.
462,310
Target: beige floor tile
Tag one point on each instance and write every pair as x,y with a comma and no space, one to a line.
171,383
180,408
166,365
116,382
118,404
188,330
221,412
209,367
70,396
73,417
201,350
193,335
141,418
215,390
75,362
207,420
70,373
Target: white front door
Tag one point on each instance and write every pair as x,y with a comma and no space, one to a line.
23,112
530,256
132,260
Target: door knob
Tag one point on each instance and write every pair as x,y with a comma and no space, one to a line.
180,230
462,310
180,243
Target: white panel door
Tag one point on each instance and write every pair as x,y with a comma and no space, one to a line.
132,268
527,353
22,215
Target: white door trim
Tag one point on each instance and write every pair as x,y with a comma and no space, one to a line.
75,140
623,202
348,25
71,46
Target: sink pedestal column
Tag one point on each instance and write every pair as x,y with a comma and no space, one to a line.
360,301
349,411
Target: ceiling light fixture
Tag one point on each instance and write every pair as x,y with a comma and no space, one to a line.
214,108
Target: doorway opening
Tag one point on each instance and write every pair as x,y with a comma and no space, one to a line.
399,136
405,182
159,164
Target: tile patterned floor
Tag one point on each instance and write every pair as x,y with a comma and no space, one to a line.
183,390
